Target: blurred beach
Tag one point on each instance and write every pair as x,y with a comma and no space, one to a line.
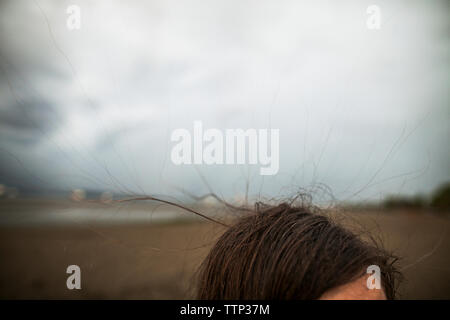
144,251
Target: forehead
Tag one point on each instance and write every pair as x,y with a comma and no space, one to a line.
355,290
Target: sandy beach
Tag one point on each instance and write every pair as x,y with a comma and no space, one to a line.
158,260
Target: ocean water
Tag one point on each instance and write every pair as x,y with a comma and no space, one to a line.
50,215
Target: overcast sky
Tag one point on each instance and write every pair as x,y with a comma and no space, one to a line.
364,112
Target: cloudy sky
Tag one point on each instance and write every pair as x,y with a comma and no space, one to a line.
363,112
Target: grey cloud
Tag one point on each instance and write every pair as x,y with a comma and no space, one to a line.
305,68
31,119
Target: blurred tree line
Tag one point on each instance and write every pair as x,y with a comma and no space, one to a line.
439,199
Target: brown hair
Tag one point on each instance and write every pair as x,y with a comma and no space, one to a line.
285,252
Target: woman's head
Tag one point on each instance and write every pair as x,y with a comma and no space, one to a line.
286,252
